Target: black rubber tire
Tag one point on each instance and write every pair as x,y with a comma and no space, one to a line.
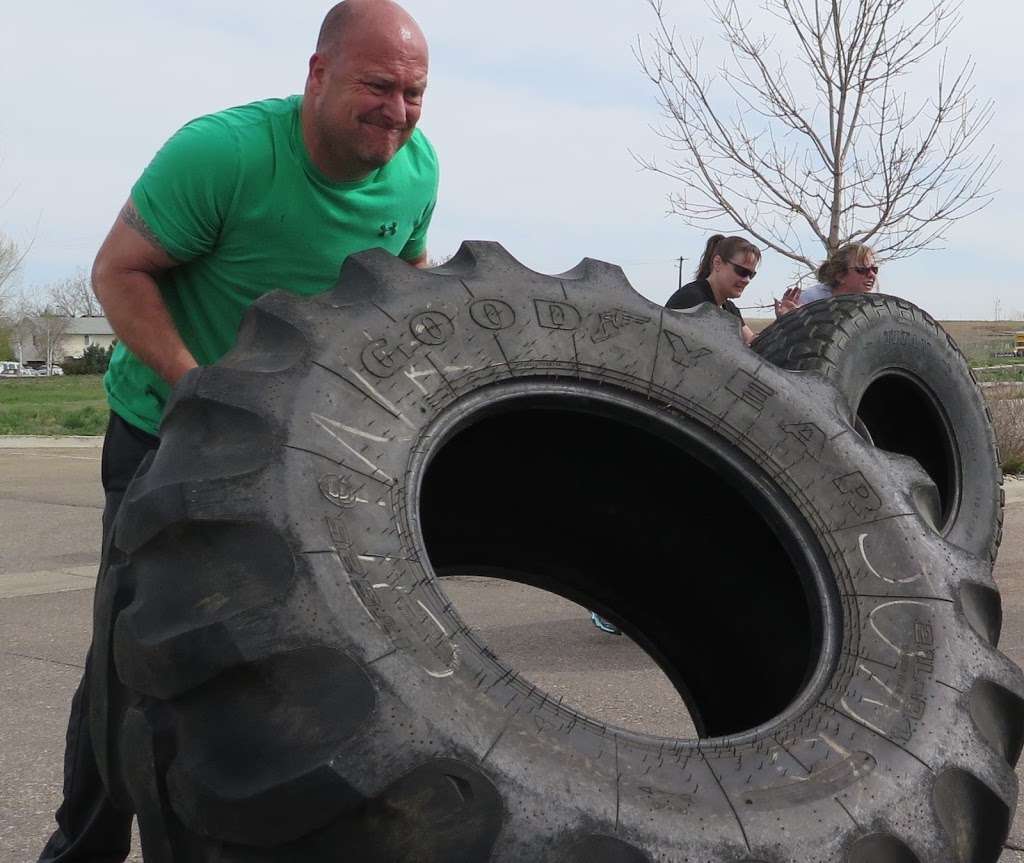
280,676
912,392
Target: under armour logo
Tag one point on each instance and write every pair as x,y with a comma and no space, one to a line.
387,230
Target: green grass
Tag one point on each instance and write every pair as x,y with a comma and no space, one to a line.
71,405
1016,362
1014,375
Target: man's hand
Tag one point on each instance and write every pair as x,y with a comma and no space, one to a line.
790,300
124,280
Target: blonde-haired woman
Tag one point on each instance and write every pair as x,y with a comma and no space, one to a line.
850,270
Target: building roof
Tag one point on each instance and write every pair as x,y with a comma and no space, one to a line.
94,326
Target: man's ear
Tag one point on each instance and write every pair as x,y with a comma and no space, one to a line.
317,67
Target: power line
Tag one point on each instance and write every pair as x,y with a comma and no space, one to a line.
658,263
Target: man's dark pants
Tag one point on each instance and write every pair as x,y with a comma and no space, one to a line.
89,828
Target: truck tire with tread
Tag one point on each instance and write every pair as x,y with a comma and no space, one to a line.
912,392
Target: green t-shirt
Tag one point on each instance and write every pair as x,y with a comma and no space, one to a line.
235,198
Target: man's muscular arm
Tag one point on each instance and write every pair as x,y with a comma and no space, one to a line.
124,280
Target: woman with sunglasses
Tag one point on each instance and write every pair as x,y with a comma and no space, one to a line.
726,268
851,270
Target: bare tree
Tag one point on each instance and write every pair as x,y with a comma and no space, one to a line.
807,159
439,262
74,298
37,330
50,327
21,329
11,256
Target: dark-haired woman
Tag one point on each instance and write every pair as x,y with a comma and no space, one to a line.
851,269
726,268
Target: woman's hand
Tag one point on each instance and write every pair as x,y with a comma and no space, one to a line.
790,300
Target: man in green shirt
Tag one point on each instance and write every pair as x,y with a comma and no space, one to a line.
255,198
272,195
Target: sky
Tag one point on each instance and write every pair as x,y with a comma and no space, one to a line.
536,110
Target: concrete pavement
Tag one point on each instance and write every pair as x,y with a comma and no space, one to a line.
50,506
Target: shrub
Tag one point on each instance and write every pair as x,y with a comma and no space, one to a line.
1007,406
94,361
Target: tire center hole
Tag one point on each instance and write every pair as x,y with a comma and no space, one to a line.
901,417
647,527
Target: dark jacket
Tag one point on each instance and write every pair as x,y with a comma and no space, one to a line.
698,292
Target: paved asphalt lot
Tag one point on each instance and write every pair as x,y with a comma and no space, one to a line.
50,505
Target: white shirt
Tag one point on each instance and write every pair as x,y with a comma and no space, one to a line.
815,292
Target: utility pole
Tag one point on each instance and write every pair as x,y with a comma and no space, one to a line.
681,259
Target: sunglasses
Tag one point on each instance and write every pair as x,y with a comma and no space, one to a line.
865,270
743,272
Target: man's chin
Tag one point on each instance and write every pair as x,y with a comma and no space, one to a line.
378,157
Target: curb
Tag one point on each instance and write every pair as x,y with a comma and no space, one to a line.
50,441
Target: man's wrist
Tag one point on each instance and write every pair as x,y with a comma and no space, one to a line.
175,371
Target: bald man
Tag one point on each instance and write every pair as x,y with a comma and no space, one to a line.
271,195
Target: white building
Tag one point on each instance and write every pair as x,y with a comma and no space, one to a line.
73,336
83,332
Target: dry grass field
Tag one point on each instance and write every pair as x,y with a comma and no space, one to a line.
997,335
983,341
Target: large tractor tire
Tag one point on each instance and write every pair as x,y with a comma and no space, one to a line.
282,677
912,392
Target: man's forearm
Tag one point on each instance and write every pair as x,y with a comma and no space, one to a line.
139,318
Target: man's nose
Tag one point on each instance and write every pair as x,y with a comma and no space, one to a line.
394,108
